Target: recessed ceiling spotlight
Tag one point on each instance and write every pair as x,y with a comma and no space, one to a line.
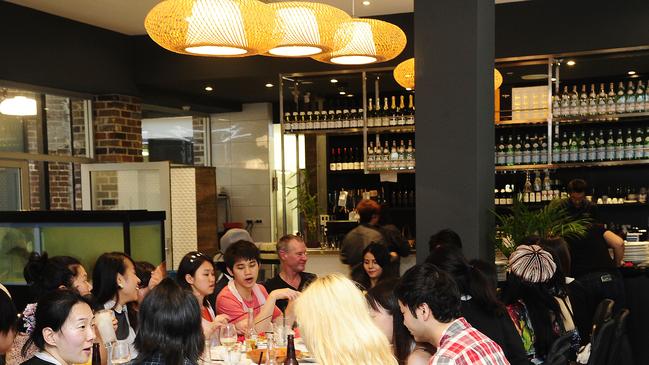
631,72
553,79
510,72
208,88
571,63
269,85
350,95
333,81
342,93
634,76
366,3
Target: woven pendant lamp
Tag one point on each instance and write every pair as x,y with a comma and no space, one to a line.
362,41
498,79
216,28
305,28
404,74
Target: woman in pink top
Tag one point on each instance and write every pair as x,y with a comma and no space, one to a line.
243,292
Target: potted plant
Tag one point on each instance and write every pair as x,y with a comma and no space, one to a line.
521,222
307,205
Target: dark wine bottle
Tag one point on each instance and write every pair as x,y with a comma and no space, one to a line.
290,351
96,356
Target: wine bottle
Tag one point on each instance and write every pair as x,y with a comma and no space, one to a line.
291,359
385,113
401,111
393,111
370,114
339,162
620,99
345,118
332,160
411,111
630,98
96,355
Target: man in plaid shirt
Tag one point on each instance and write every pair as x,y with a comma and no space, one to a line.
430,302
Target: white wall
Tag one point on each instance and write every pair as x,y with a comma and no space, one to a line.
240,153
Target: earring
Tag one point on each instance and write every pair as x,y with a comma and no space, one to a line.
121,286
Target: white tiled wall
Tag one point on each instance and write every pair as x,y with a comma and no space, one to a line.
240,153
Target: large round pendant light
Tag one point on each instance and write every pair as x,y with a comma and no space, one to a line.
217,28
362,41
404,73
305,28
498,79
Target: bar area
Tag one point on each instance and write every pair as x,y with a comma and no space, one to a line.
399,182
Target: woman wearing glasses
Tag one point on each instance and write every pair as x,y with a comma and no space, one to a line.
196,274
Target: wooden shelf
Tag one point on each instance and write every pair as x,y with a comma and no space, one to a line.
390,171
606,118
521,123
573,165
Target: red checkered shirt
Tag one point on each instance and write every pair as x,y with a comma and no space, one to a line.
462,344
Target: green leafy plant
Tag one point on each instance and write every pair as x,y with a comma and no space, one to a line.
551,221
307,204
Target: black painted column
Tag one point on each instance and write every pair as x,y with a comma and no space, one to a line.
454,53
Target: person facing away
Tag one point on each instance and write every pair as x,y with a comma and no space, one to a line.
480,305
336,325
170,327
430,302
445,237
537,302
292,254
591,263
64,331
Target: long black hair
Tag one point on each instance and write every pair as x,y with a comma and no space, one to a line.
52,311
382,257
469,278
45,274
188,266
104,276
8,314
382,296
170,325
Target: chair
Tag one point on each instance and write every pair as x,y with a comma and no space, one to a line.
620,350
602,314
601,343
558,353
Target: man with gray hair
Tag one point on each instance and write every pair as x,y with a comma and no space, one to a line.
293,258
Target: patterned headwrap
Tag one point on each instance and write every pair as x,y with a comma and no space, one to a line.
532,264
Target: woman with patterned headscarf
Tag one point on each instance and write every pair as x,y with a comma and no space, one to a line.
537,301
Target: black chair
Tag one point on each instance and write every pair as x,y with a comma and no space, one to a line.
620,350
602,314
558,354
601,342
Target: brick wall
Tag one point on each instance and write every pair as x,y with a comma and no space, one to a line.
118,128
78,146
32,128
118,138
59,142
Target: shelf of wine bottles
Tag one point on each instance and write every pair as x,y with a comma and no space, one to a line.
586,145
602,104
393,118
346,159
390,156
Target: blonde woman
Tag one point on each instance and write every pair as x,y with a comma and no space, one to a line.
336,325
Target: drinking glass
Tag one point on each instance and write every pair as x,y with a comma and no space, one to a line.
104,321
120,353
228,335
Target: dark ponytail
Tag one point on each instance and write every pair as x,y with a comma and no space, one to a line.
470,279
45,274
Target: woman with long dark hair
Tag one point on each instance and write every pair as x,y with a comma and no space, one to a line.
479,302
115,285
45,274
196,275
385,311
63,332
170,327
376,266
8,321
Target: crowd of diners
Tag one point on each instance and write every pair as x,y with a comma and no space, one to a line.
447,310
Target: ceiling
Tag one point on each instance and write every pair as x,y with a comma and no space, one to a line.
127,16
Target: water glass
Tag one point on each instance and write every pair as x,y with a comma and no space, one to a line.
104,321
120,353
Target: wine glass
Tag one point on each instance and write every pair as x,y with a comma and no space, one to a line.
228,335
120,353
